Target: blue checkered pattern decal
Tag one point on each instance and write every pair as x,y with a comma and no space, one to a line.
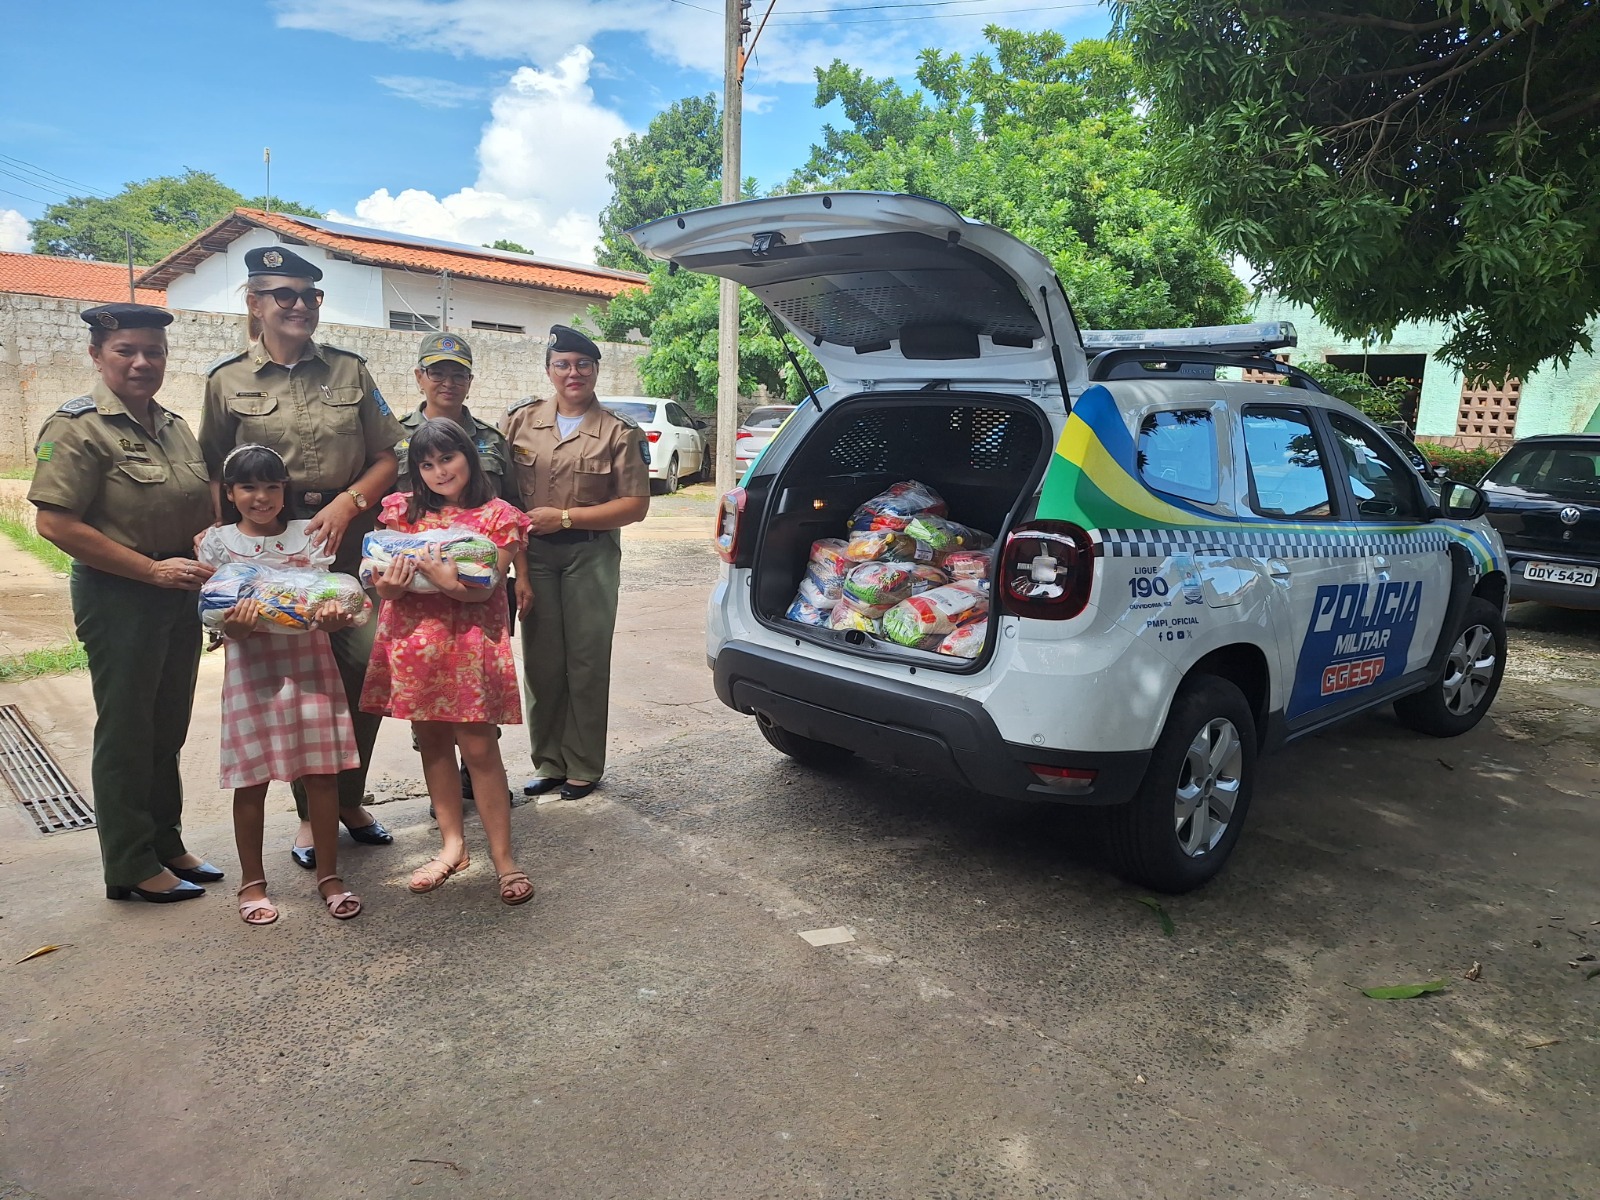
1269,543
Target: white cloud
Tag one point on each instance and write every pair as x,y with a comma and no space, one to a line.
680,33
430,92
15,231
541,171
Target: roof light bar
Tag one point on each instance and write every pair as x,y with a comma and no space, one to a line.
1256,338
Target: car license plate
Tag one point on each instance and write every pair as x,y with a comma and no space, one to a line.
1542,572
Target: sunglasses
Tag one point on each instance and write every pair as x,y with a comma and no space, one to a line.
583,366
285,297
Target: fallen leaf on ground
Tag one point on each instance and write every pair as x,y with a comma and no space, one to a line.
1154,905
41,950
1404,991
1473,972
1542,1045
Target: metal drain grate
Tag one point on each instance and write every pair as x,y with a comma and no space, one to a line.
43,787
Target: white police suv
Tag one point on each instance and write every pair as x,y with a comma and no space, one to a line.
1188,570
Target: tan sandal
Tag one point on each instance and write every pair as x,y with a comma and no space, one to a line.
248,908
509,880
432,874
338,900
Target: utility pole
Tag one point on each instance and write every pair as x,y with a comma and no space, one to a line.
266,157
444,301
127,237
734,29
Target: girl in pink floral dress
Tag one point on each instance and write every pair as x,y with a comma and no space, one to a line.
443,660
284,714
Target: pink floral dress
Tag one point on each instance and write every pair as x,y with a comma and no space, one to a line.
438,659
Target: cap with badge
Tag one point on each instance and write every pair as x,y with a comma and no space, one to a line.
279,260
444,347
126,316
566,340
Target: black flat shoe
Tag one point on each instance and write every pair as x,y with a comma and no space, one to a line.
540,784
204,873
371,835
184,890
577,791
304,856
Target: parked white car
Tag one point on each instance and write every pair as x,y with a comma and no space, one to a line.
1187,571
677,440
756,430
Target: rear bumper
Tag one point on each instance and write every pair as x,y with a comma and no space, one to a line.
902,725
1561,595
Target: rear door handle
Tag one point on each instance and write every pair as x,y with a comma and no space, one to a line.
1380,564
1278,571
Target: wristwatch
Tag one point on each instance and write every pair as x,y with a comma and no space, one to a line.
361,501
566,519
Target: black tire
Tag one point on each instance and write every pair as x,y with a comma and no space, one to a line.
806,751
669,481
1150,842
1457,700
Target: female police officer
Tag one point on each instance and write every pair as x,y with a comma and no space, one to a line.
582,473
120,486
318,407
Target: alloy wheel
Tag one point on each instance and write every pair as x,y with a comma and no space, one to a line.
1469,672
1208,787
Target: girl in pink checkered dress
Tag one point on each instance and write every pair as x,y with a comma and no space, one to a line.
284,713
442,659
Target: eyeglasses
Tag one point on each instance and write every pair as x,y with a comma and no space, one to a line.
445,375
583,366
285,297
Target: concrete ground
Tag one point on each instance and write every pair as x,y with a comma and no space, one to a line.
1009,1020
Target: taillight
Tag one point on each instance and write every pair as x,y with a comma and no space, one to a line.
1046,570
653,434
1063,779
729,515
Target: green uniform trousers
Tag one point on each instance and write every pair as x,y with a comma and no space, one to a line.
566,653
143,644
351,649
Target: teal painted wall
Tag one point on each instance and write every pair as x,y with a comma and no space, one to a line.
1553,400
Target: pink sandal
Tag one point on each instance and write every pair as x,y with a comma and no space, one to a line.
432,874
335,901
247,908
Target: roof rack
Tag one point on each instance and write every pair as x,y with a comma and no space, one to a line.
1256,338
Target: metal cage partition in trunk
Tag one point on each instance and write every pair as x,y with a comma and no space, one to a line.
985,454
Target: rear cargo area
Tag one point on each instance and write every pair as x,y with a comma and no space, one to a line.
983,454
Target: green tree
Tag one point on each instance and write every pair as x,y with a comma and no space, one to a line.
508,246
1392,161
160,213
1383,402
675,165
680,313
1046,141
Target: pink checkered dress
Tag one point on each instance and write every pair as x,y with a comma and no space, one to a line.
284,712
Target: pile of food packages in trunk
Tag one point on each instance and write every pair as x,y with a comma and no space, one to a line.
905,573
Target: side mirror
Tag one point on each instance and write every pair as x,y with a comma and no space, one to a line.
1461,501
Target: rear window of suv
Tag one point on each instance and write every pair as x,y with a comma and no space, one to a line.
766,418
1178,453
1556,468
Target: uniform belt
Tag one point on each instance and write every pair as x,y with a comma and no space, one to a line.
566,537
316,501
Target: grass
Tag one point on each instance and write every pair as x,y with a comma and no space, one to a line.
17,473
16,522
52,660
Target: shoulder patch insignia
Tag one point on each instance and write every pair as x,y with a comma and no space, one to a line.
44,450
383,405
225,360
76,408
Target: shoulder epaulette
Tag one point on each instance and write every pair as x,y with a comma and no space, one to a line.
76,408
523,403
624,418
225,360
341,350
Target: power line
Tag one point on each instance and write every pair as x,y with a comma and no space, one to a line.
33,183
51,175
918,4
696,7
991,12
31,199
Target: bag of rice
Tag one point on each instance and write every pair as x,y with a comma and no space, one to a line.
878,583
964,641
936,611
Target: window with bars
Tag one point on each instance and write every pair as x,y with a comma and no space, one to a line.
497,327
415,322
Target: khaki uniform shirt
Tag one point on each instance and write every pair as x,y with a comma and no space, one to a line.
603,459
146,491
492,452
325,415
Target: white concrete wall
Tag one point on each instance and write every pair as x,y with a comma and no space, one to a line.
474,300
354,291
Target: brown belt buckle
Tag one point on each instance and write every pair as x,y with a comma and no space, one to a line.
311,498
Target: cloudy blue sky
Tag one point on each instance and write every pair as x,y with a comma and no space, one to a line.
460,119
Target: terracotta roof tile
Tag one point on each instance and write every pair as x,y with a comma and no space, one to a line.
374,249
70,278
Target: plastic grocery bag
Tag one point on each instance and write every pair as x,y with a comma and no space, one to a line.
936,611
968,564
828,559
806,614
964,641
894,508
850,613
925,577
288,596
945,535
820,592
872,544
475,556
878,583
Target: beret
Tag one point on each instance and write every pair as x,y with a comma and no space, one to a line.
126,316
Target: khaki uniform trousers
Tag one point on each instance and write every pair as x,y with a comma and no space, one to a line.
566,653
143,645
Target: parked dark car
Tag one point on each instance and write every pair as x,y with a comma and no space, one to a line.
1544,498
